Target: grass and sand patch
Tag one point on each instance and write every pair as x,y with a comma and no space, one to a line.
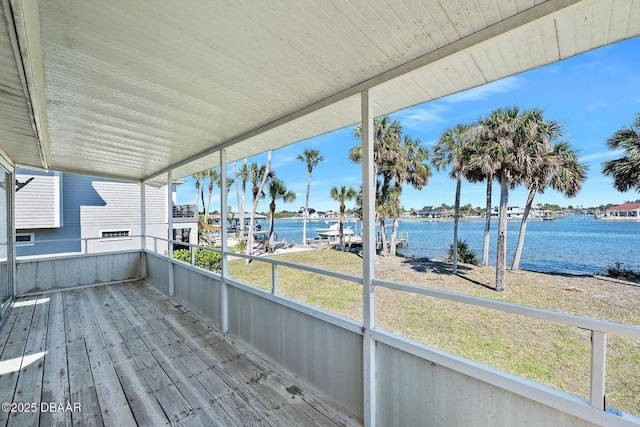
552,354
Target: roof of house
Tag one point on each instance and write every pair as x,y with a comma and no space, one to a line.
626,207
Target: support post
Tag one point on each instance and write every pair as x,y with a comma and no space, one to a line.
368,256
143,229
11,231
598,369
274,279
143,216
170,230
224,290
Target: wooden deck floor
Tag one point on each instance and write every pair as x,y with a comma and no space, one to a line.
129,355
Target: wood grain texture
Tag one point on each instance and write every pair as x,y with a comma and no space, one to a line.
130,355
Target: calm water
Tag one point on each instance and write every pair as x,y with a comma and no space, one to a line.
568,245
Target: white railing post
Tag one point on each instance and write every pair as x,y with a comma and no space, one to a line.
143,229
86,246
155,244
224,289
368,256
193,255
143,216
274,279
170,230
598,369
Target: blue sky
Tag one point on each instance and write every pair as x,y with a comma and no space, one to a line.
591,95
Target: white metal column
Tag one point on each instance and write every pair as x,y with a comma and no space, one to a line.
170,230
143,229
368,256
224,290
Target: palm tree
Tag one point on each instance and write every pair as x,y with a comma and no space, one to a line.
516,146
412,169
342,195
396,160
481,166
448,152
277,190
311,158
242,176
258,176
561,171
214,177
625,170
199,177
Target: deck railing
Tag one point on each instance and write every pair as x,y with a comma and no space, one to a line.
599,329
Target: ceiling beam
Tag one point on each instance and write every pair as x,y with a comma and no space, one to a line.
23,19
536,12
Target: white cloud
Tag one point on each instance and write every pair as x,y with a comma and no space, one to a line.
601,155
419,117
482,92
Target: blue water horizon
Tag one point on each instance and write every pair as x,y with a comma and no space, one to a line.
572,245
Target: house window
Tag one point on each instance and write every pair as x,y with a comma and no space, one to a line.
25,239
116,234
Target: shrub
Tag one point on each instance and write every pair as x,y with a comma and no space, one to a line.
241,246
208,260
465,255
619,270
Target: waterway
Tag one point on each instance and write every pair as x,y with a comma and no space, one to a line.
575,245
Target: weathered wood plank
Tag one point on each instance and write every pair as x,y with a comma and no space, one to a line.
256,387
176,407
73,330
29,386
81,386
113,402
12,354
55,382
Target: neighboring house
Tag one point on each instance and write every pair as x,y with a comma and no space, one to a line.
624,211
429,212
513,212
70,207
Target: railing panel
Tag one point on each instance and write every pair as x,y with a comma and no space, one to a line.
415,391
46,274
321,354
200,292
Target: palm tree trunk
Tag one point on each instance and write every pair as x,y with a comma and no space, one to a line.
206,212
523,230
254,208
204,208
272,211
197,191
235,176
383,238
501,258
487,223
243,198
394,233
456,217
306,211
342,226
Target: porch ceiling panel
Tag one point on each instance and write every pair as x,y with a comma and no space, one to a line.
134,88
17,136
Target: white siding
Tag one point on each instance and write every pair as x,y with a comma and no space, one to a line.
38,202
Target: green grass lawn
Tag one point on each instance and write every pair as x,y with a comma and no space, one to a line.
552,354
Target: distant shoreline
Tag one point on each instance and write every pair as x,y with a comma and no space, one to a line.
447,219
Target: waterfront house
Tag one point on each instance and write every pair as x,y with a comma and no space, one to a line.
64,212
630,210
148,91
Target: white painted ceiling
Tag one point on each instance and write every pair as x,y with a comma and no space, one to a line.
130,89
